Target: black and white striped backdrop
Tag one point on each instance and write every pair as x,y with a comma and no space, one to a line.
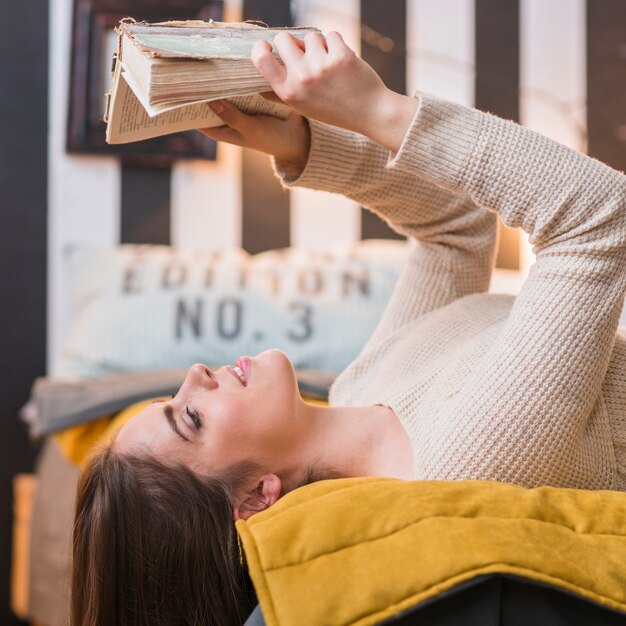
558,66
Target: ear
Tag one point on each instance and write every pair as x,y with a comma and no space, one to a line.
266,492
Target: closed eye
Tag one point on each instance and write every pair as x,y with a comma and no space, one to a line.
195,417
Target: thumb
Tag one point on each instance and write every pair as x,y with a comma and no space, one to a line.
229,114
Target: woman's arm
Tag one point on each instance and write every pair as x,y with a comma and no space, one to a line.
524,414
454,256
454,239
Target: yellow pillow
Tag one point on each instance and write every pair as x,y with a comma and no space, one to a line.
360,550
79,442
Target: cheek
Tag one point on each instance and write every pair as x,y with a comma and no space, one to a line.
233,432
231,419
248,421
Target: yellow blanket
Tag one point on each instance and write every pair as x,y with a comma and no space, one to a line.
79,442
357,551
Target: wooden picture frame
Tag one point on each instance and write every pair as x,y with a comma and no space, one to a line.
93,42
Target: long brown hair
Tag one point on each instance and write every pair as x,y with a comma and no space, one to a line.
155,544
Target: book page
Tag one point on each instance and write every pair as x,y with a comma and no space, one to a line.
128,120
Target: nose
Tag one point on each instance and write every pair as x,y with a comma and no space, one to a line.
200,375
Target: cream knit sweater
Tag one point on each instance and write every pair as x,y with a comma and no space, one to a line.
530,390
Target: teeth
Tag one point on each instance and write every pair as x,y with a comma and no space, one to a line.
239,373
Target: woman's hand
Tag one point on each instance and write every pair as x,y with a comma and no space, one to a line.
288,140
324,80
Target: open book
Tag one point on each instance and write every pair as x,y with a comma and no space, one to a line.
165,74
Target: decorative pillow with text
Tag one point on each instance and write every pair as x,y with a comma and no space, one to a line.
141,307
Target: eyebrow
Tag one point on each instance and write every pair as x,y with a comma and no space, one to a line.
169,415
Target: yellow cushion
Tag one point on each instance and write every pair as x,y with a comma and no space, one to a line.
357,551
79,442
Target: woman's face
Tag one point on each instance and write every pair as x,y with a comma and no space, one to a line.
215,419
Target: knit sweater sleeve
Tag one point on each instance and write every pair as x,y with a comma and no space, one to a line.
453,237
523,415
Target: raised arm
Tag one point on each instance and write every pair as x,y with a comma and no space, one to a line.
452,255
530,399
524,415
453,252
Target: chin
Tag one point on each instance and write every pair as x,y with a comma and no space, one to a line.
279,363
278,357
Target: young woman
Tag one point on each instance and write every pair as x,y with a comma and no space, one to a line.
454,384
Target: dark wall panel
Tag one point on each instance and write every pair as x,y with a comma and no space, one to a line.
265,206
145,205
606,81
272,12
497,85
383,46
263,199
23,225
497,57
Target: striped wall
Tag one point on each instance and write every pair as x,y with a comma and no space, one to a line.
525,59
312,212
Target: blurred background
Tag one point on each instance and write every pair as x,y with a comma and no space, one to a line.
557,66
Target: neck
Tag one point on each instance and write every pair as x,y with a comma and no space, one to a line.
350,441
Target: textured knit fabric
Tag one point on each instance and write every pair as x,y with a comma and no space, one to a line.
530,390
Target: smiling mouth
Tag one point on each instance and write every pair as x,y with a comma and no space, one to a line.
239,373
238,370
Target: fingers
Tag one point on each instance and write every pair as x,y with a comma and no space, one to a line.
289,48
315,46
236,124
335,44
222,133
297,40
269,66
230,114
